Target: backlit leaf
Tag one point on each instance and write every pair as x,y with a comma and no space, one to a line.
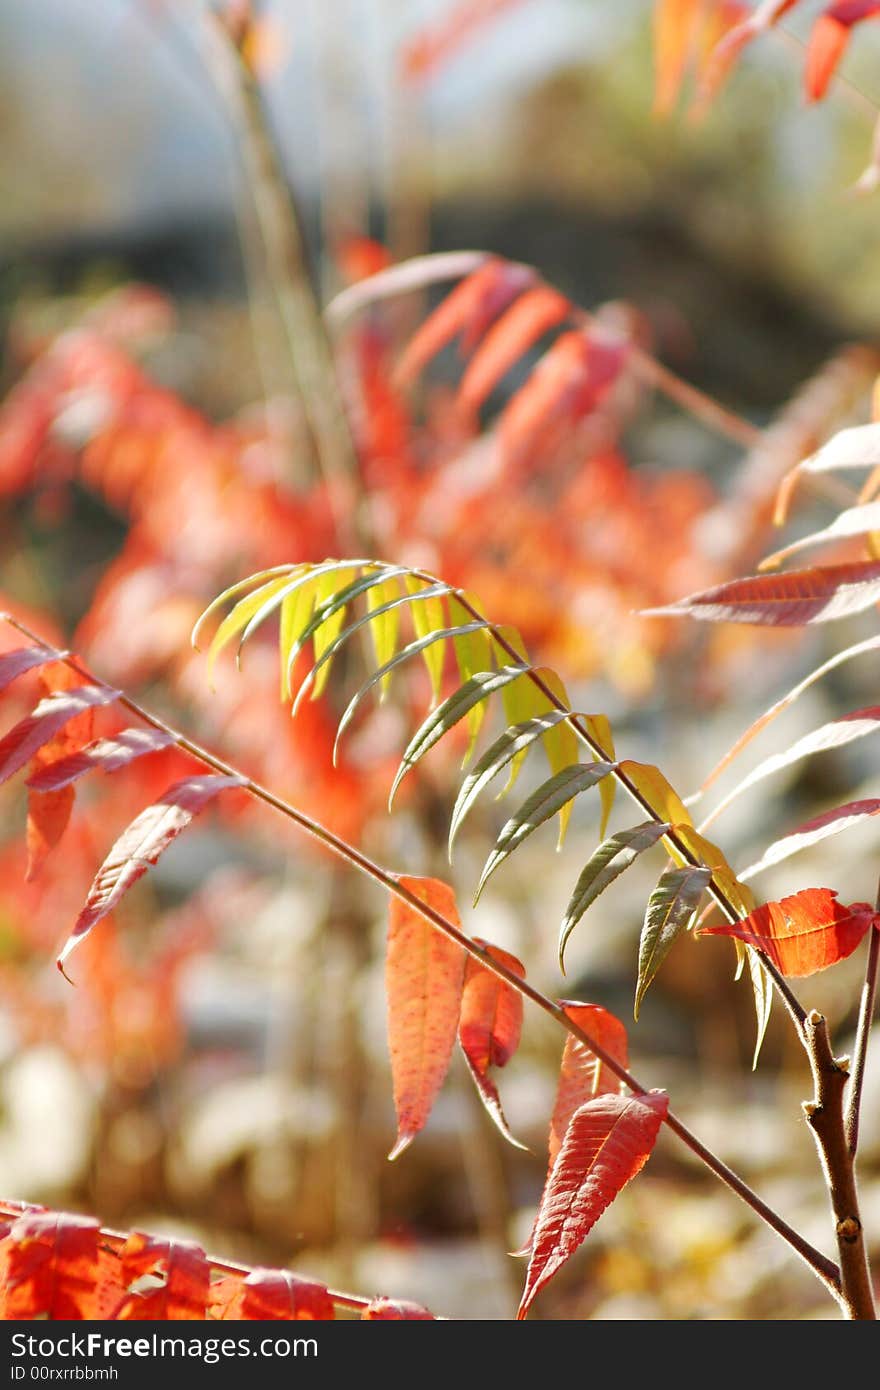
812,831
607,1143
804,933
606,864
424,976
794,599
140,846
51,1267
50,716
581,1074
541,806
670,908
108,754
489,1026
183,1270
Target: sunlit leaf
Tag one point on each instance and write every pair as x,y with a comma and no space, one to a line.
670,908
606,864
607,1143
804,933
424,978
489,1026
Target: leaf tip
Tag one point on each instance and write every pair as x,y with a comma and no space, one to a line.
403,1142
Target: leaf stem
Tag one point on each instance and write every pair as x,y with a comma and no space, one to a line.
825,1269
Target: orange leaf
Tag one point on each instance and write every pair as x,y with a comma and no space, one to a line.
141,845
518,329
803,933
490,1024
734,35
607,1143
582,1075
184,1273
468,309
568,383
395,1309
51,1267
828,40
795,599
675,22
424,977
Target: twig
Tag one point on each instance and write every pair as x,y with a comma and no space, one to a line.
825,1117
825,1269
863,1031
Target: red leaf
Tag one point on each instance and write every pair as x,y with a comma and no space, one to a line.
568,383
185,1274
803,933
50,715
812,831
15,663
395,1309
49,812
581,1075
533,315
108,754
795,599
607,1143
140,845
432,47
489,1026
424,977
468,309
828,40
725,52
51,1267
273,1295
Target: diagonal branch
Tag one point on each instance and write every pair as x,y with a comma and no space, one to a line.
824,1269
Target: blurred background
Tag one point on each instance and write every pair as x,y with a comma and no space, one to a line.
179,189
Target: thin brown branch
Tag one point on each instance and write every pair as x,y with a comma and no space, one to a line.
824,1269
863,1032
825,1116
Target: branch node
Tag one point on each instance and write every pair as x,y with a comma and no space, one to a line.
849,1229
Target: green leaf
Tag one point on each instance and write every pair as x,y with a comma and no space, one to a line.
331,609
296,614
473,654
599,727
261,579
447,715
561,743
241,615
514,742
544,803
326,632
608,862
429,616
412,649
670,907
382,605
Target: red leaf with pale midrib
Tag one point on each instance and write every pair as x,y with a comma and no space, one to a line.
15,663
804,933
424,977
794,599
108,754
467,310
140,846
607,1143
49,812
29,735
